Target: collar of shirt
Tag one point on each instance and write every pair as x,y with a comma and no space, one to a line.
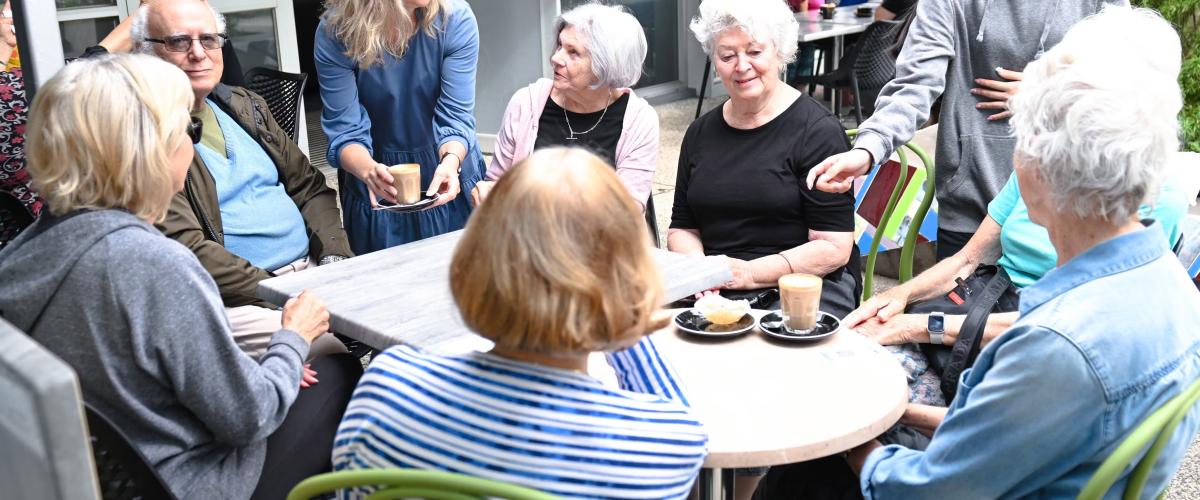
1116,255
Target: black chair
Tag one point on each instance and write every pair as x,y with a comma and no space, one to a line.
866,65
283,93
122,471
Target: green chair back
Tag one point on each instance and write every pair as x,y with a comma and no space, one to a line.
908,248
1159,427
412,483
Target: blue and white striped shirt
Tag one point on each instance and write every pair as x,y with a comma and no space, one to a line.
554,430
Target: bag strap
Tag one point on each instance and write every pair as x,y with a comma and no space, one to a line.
970,336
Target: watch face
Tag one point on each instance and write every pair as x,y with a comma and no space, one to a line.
937,323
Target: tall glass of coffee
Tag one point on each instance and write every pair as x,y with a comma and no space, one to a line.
799,299
407,179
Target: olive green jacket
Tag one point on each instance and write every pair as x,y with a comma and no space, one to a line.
194,217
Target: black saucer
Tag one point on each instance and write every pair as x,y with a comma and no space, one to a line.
772,325
421,204
691,321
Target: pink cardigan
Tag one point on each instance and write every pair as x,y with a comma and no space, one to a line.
637,149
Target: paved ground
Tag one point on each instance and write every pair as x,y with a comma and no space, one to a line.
674,119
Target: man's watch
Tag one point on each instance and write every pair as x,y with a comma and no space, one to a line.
937,327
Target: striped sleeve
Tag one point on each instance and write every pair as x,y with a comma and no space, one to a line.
642,369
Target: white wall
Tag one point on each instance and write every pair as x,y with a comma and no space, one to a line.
511,48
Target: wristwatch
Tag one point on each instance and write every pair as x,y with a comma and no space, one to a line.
937,327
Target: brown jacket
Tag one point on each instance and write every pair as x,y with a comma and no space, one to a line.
194,217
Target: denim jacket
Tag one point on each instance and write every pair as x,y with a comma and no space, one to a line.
1101,342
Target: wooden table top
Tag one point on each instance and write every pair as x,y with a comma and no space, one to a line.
767,402
402,294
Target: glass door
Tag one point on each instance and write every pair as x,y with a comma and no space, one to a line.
660,21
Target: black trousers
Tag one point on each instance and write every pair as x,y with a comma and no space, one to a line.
302,446
950,242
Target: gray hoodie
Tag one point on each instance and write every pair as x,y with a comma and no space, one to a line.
950,43
142,324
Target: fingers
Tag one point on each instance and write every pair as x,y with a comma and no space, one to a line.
862,314
991,94
1003,115
475,196
818,170
992,105
435,185
1010,74
995,85
889,310
309,377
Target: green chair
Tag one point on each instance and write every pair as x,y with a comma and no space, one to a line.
1159,427
908,248
412,483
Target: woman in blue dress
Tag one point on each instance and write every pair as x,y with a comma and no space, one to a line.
398,86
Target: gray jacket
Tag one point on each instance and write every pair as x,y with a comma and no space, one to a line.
142,324
950,43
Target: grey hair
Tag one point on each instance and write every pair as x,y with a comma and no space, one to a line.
764,20
1102,139
613,37
138,30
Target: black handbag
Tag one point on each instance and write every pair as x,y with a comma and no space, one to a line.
987,290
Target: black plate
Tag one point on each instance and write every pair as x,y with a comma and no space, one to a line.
772,325
411,207
691,321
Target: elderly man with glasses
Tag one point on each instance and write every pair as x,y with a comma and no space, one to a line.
252,206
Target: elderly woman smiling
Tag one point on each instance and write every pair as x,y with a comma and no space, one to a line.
740,189
588,104
1110,334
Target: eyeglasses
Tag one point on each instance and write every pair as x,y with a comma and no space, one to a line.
183,43
195,129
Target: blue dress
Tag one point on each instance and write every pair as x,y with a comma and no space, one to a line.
402,110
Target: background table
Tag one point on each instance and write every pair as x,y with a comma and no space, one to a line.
402,294
766,402
813,27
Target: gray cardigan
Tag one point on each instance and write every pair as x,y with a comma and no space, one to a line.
142,324
950,43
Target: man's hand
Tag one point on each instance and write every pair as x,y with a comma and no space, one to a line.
837,173
305,314
999,91
882,306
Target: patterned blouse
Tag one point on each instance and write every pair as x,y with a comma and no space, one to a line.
19,205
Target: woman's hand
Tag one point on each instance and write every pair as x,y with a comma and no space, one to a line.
902,329
357,160
305,314
482,189
881,307
837,173
999,91
8,32
445,181
308,378
743,275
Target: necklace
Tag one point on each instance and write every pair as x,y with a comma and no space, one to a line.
573,132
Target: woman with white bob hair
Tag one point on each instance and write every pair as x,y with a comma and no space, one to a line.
740,188
137,316
598,56
1110,334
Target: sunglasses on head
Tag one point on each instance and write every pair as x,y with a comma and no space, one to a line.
195,129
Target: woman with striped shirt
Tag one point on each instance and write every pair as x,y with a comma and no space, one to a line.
553,267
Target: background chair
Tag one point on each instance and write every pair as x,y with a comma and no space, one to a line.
283,93
123,471
411,483
908,248
867,65
1159,427
43,445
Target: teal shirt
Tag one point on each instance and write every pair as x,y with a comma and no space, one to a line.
1026,252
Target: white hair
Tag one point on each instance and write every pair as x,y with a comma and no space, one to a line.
613,37
1096,116
138,30
764,20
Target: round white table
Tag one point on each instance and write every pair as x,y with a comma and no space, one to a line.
769,402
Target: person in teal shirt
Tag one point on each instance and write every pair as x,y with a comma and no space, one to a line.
1007,237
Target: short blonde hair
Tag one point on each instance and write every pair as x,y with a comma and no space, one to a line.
101,133
557,261
369,29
